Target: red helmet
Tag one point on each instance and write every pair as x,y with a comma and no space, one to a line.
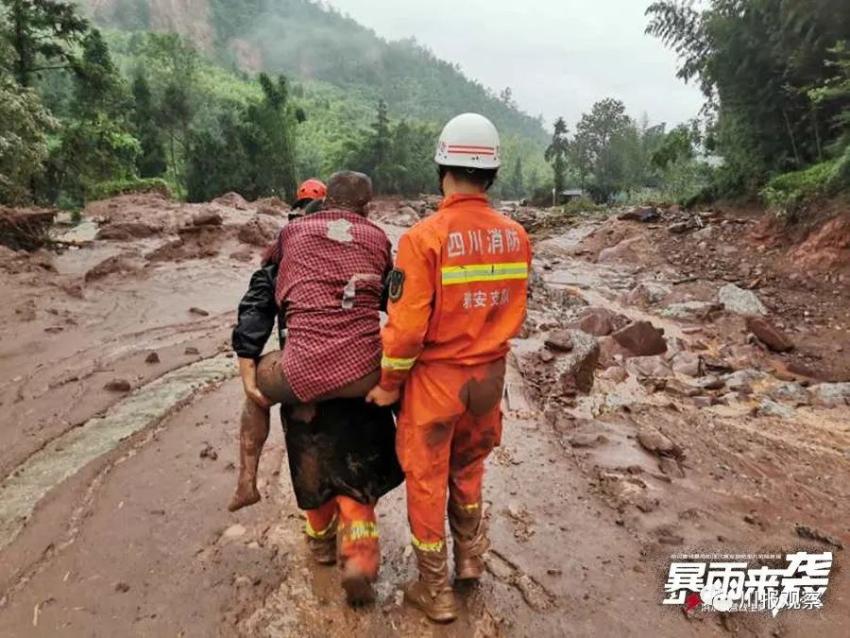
312,189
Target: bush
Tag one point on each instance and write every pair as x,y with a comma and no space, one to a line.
581,205
787,194
839,179
105,190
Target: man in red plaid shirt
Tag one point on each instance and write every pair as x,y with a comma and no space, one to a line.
329,291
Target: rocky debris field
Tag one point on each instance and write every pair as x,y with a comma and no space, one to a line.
681,383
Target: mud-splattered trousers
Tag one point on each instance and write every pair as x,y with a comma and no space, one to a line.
356,530
457,295
352,442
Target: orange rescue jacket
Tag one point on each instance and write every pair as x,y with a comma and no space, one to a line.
458,291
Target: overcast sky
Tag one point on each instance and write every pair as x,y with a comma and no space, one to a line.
558,56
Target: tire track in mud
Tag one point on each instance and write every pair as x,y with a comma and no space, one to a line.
65,455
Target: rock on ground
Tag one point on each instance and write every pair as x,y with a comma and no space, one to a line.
622,252
647,293
116,264
769,335
232,200
575,370
600,322
831,394
207,218
260,231
691,310
641,339
643,214
127,231
740,301
654,441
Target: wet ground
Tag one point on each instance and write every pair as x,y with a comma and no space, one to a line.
113,516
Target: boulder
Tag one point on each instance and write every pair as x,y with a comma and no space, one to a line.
743,380
575,369
559,341
654,441
259,231
689,310
600,322
649,367
647,293
206,218
772,408
791,393
679,228
740,301
769,335
622,252
641,339
686,363
232,200
126,231
273,206
405,216
831,395
643,214
109,266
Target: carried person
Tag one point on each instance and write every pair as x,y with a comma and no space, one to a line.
324,280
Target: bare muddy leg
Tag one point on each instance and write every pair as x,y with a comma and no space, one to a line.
254,430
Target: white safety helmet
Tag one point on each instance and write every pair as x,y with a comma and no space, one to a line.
471,141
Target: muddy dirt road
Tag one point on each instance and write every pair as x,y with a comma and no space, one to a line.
622,445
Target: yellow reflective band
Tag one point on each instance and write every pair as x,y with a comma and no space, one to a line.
436,546
393,363
329,531
454,275
360,530
472,507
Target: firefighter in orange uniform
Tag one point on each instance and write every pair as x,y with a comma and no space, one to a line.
457,295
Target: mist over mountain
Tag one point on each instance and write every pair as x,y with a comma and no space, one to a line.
309,41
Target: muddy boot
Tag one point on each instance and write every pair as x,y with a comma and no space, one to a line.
323,550
357,585
432,593
471,542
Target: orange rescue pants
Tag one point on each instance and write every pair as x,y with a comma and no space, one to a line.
450,421
356,529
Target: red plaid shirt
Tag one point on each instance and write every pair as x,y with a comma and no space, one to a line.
330,282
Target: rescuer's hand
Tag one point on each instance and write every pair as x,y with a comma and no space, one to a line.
248,372
381,397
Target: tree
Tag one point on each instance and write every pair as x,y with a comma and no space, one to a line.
380,149
556,154
99,89
601,135
42,34
253,152
92,151
175,116
516,181
756,62
96,144
151,161
24,125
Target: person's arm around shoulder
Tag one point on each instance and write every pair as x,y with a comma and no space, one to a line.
255,323
410,288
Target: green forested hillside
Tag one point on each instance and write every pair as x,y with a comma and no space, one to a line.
306,41
207,96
